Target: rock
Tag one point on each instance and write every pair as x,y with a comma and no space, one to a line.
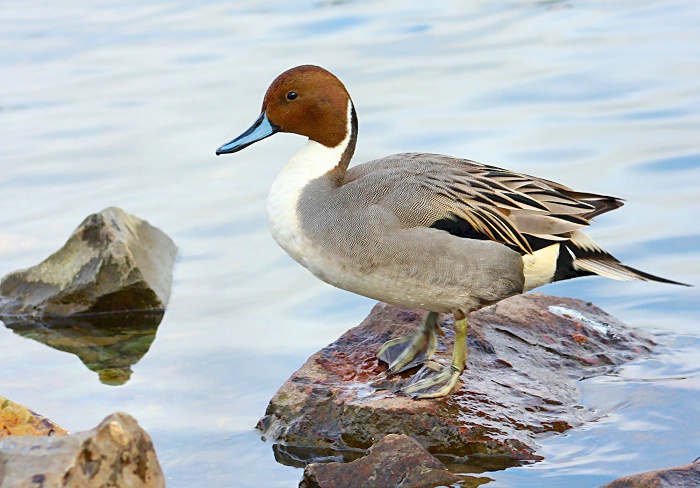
16,419
396,460
109,343
681,476
116,453
526,355
113,261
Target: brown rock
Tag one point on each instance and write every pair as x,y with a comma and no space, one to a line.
116,453
681,476
113,261
525,356
396,460
16,419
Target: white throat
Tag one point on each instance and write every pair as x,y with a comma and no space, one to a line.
311,162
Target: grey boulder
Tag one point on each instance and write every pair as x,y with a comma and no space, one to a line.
114,261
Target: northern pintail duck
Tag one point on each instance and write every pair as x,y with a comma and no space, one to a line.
424,231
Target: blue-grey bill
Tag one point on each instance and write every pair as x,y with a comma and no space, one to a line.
260,129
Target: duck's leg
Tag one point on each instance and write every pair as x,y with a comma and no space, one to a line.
412,350
434,380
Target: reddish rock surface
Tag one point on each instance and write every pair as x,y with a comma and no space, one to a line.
525,356
396,460
681,476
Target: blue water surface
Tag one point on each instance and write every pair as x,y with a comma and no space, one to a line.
123,104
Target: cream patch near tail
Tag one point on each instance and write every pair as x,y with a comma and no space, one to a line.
540,266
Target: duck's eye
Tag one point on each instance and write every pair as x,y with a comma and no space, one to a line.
292,95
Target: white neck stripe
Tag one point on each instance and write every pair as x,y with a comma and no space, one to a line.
313,161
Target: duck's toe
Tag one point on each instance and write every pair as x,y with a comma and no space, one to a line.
432,381
409,351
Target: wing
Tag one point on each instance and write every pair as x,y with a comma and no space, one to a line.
478,201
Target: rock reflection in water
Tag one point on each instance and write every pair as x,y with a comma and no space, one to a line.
109,343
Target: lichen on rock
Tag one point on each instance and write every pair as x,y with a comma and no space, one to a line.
16,419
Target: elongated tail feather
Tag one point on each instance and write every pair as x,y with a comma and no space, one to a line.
611,268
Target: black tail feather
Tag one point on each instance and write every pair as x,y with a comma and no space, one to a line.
650,277
575,261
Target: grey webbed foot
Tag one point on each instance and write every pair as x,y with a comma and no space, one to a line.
413,350
434,380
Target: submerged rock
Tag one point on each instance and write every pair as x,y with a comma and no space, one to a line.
681,476
109,343
396,460
113,261
16,419
525,356
116,453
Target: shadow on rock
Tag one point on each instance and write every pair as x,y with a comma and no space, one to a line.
108,344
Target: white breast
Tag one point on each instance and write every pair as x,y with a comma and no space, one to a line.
312,161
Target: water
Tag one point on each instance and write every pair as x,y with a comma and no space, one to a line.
124,103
